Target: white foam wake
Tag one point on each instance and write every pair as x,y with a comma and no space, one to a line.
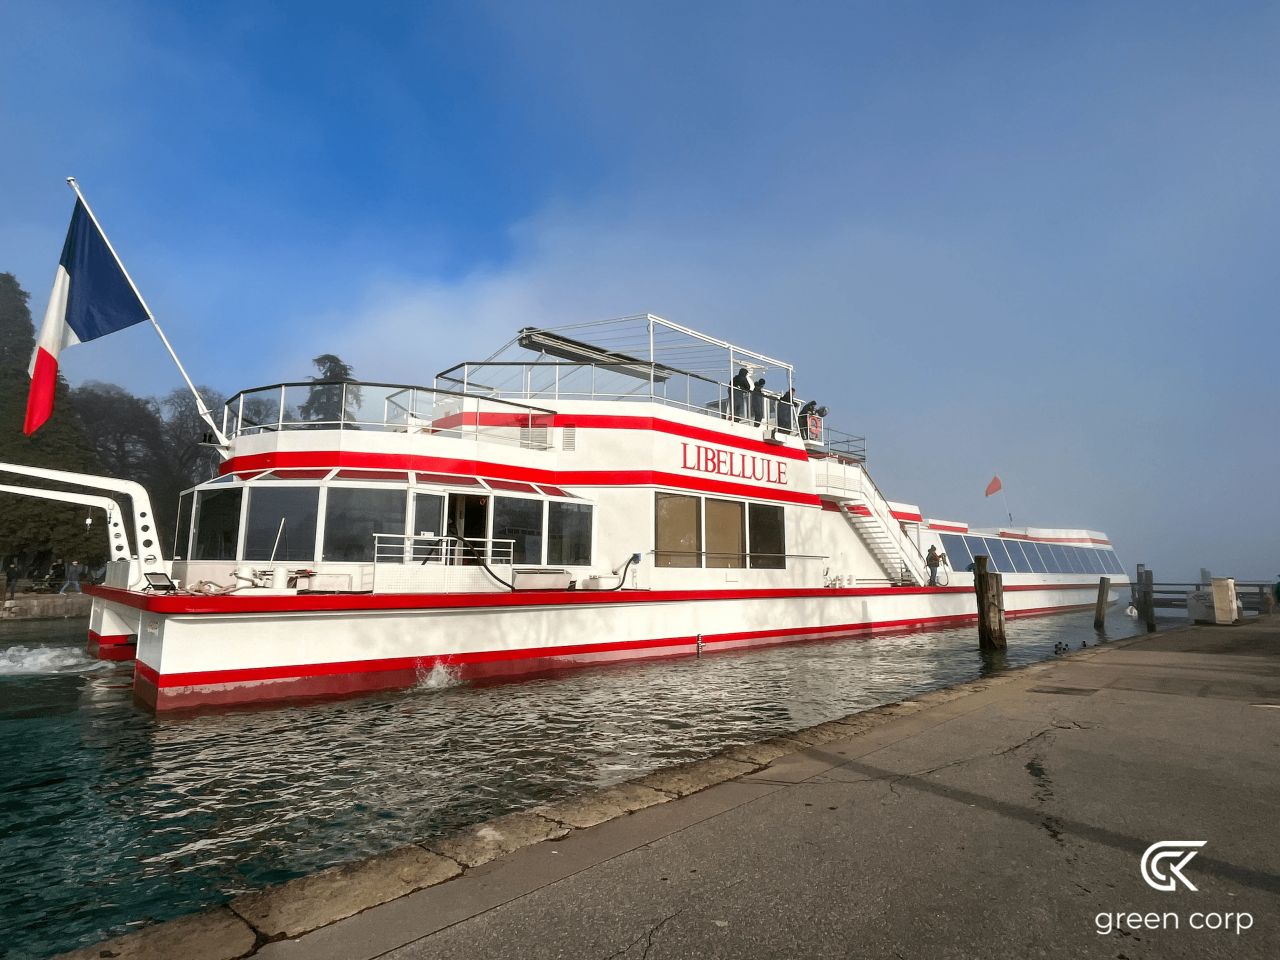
438,677
20,660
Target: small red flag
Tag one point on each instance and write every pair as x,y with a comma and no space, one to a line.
995,486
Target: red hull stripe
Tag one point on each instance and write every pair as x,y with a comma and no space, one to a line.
187,604
286,460
596,421
1022,536
110,638
636,647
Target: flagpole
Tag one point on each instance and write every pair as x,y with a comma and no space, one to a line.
1005,497
200,405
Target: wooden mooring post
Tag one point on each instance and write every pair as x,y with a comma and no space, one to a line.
1149,600
990,590
1100,609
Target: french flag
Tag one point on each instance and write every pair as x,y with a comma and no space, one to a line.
92,297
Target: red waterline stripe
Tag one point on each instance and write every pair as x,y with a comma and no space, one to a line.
317,603
107,640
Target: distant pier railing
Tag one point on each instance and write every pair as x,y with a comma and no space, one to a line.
1254,595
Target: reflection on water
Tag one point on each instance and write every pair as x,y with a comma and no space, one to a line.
109,815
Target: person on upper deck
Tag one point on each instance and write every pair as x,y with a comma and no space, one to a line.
807,409
787,411
757,402
740,394
932,560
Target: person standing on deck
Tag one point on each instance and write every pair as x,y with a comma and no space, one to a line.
932,560
740,394
787,411
757,402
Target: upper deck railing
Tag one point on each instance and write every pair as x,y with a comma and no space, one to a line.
398,408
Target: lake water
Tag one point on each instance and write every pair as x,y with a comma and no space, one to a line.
110,816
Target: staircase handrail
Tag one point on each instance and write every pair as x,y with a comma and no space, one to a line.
884,513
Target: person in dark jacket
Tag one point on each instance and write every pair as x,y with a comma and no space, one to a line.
787,411
741,393
757,402
71,579
807,409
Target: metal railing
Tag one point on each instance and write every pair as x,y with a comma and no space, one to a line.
400,548
639,381
357,405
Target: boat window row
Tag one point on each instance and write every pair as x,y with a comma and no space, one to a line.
1028,556
337,523
708,532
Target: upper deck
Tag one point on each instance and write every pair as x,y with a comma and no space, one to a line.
513,396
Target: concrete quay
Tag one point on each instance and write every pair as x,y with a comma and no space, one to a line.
1007,816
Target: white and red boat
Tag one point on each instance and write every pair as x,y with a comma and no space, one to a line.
587,494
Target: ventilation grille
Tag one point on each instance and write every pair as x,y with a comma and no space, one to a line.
534,437
569,437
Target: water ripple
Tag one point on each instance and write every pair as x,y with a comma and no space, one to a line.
109,816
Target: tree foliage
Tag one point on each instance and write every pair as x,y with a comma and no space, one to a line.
37,532
103,428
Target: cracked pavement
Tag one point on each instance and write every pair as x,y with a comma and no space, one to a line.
996,824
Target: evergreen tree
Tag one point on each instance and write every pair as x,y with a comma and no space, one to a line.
324,401
37,532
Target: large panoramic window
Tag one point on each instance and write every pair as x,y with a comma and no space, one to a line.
569,533
678,537
978,547
768,536
999,555
957,553
726,533
217,524
519,520
282,523
352,516
1016,554
182,535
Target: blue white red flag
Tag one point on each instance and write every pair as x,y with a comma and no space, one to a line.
92,297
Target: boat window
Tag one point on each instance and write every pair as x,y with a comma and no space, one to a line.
518,519
182,535
395,476
295,475
217,524
569,534
726,533
447,479
428,514
1077,561
977,547
1060,554
678,539
1020,561
282,523
511,485
353,515
999,555
768,533
957,553
1115,565
1095,562
1033,554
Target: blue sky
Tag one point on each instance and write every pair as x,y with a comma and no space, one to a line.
1030,239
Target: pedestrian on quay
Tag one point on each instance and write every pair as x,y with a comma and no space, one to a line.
71,580
11,578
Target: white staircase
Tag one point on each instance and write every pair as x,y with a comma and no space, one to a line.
869,514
